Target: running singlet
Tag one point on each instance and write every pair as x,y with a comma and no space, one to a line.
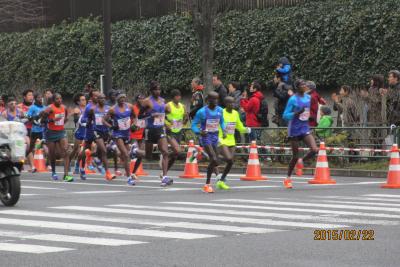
57,118
80,127
123,120
209,120
175,117
232,123
157,114
298,126
98,122
11,117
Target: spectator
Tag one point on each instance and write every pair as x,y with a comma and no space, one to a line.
316,100
112,97
326,121
393,99
197,101
2,103
251,105
282,93
347,111
220,90
234,91
374,101
284,68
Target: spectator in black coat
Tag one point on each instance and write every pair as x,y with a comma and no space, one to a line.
220,89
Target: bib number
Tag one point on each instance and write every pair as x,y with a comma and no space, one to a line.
99,119
177,125
212,125
124,124
140,123
159,119
230,127
59,119
305,115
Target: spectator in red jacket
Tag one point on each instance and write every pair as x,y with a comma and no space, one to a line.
251,106
315,100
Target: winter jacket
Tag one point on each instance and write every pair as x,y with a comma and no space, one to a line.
325,122
315,100
197,101
393,104
285,70
222,93
252,107
236,95
280,92
347,112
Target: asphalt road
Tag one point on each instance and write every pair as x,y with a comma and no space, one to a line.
100,223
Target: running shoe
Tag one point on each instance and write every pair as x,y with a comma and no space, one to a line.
133,151
208,189
83,174
109,176
222,185
54,176
118,173
166,181
99,166
91,167
131,181
287,183
68,178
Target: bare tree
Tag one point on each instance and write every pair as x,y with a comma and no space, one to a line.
21,11
204,13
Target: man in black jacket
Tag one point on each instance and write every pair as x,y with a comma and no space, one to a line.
197,101
393,104
220,89
282,93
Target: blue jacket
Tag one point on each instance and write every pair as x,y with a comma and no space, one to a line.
285,70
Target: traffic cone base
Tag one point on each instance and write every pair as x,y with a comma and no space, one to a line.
191,167
253,172
393,176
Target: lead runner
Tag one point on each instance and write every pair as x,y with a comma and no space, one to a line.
297,113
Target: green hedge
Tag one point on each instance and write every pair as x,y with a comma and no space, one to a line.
332,42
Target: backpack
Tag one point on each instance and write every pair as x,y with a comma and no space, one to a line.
262,115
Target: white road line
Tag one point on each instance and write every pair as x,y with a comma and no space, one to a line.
383,195
101,229
318,211
41,188
203,217
363,203
71,239
29,195
304,204
263,214
185,225
99,192
35,249
92,184
358,198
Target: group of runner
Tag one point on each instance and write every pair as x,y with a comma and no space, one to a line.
126,131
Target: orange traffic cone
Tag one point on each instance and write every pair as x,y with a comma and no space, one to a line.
191,167
140,171
38,161
89,162
393,177
322,172
253,172
299,167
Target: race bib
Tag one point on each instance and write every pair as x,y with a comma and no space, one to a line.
99,119
159,119
305,115
212,125
59,119
177,124
141,123
230,127
124,123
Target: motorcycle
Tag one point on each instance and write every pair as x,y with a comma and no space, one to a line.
12,154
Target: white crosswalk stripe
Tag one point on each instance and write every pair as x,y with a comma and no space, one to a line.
73,227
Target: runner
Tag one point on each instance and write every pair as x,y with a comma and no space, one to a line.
12,113
57,142
154,111
175,120
101,132
210,118
227,145
34,115
80,129
121,115
297,113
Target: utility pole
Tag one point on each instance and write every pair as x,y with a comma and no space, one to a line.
107,45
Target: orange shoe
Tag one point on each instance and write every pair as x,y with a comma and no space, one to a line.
109,176
287,183
208,189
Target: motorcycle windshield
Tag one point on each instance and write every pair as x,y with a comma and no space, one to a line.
14,133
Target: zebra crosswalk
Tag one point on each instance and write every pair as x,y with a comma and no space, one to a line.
58,229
